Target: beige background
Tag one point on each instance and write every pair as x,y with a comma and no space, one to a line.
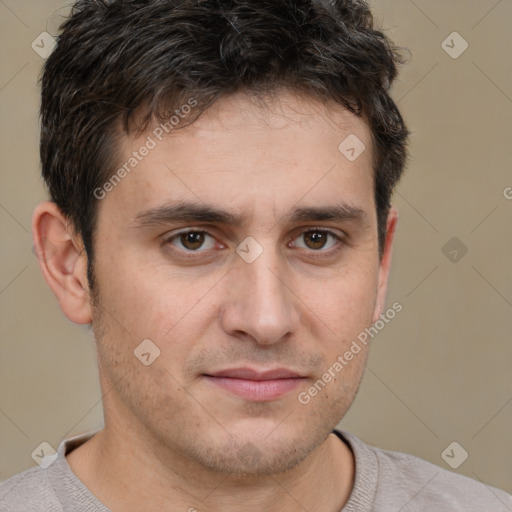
439,372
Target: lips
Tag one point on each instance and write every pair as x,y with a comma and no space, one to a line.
250,374
256,385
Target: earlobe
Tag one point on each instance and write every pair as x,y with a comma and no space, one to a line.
62,260
385,263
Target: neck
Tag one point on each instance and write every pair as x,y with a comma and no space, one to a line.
127,475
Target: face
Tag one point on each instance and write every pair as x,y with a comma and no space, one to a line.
217,248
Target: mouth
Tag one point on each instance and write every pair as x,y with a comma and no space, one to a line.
256,385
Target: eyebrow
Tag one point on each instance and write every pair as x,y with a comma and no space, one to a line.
184,211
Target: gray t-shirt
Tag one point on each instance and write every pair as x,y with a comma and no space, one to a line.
385,481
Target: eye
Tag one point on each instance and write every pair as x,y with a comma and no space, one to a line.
191,241
317,239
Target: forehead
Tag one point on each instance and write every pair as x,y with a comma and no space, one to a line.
251,156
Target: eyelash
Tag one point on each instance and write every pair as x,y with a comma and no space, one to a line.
315,254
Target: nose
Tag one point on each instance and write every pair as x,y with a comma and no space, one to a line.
259,303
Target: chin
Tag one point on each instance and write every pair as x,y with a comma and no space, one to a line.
253,455
252,459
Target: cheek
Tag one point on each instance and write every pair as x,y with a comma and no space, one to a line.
346,303
140,298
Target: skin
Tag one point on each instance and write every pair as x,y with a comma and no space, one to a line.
172,438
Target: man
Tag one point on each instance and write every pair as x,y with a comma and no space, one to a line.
221,176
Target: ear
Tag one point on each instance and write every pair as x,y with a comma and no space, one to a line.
63,261
385,263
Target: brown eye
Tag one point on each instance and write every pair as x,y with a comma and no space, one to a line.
317,240
192,240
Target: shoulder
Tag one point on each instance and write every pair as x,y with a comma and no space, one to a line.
28,491
433,485
407,482
51,487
